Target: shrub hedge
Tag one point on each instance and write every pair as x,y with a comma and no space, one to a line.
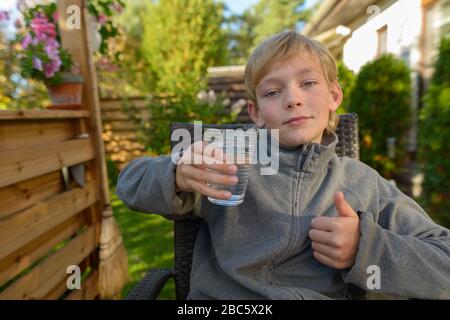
434,137
381,97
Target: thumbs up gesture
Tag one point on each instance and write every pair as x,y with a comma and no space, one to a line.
335,239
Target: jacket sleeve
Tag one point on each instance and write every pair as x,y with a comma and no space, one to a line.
147,184
411,252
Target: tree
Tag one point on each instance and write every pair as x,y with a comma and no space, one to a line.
434,134
181,40
245,31
240,32
274,16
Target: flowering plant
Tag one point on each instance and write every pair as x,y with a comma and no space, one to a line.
41,56
102,11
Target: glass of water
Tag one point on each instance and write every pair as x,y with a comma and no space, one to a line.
238,147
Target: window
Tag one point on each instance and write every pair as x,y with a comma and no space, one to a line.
382,41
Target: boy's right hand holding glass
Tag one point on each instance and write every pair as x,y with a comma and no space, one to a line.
192,175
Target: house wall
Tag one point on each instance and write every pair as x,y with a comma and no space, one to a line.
404,27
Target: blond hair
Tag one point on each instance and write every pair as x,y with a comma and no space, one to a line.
282,47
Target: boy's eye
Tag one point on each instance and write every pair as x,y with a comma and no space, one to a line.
308,84
270,93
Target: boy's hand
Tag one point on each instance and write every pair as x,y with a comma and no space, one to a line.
191,174
335,239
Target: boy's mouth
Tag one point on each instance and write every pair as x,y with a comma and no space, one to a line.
297,120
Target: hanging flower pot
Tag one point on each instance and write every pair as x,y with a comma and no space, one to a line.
67,94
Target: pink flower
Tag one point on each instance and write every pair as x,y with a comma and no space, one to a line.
27,40
52,67
56,15
102,18
42,27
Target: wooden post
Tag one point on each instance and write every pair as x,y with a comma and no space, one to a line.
111,254
78,43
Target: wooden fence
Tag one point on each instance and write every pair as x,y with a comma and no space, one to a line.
45,225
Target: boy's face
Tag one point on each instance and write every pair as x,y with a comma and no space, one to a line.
293,89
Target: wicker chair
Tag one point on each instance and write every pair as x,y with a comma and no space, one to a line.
185,230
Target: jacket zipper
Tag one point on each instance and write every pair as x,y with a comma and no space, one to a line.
305,155
296,186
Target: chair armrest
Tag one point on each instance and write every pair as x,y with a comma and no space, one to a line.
150,286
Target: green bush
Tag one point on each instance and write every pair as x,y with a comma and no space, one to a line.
434,136
381,97
347,82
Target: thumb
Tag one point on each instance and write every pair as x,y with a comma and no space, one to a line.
342,206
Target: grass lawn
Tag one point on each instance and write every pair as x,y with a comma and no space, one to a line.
149,243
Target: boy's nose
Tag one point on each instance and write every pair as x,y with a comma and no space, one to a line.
294,99
292,105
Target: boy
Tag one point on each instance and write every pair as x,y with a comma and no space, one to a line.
296,236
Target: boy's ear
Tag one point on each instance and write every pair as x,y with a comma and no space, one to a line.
254,113
336,96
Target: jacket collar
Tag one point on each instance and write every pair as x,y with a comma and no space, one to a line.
309,157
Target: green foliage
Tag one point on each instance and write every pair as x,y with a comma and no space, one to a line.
240,33
347,81
274,16
153,132
434,136
245,31
381,97
181,40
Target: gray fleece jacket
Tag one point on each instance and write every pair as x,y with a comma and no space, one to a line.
260,249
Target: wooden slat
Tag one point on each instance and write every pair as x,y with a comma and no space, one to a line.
237,78
43,114
228,87
89,289
114,115
125,135
24,194
45,276
23,258
123,125
120,108
27,225
22,164
119,115
107,105
27,133
58,291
